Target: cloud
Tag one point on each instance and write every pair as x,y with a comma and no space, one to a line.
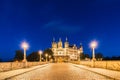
57,25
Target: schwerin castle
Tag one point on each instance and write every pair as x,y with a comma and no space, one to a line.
66,52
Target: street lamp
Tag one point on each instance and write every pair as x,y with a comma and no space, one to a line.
79,52
25,46
49,57
93,45
46,55
40,52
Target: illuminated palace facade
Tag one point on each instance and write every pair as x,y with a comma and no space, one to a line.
66,52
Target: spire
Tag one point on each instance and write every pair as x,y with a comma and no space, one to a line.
60,43
66,39
80,44
74,45
53,39
60,39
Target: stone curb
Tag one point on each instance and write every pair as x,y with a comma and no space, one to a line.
33,68
96,72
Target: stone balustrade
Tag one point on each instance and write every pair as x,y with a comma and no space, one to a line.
113,65
5,66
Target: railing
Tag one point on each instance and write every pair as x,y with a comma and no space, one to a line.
5,66
113,65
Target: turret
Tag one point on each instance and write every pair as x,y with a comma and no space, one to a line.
81,48
74,46
54,44
60,43
66,43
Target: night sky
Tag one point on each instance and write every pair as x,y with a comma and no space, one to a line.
38,21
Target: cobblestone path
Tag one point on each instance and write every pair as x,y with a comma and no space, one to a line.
59,71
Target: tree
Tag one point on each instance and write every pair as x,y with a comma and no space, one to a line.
86,55
115,58
18,56
0,60
99,56
34,56
82,56
107,58
112,58
49,52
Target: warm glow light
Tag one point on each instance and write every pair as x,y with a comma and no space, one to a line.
78,51
46,55
40,52
24,45
93,44
49,56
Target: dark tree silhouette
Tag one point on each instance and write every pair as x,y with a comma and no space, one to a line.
99,56
115,58
18,55
107,58
0,60
82,56
112,58
34,56
49,52
86,55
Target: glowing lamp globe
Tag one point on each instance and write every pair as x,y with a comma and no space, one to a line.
46,55
93,44
25,45
40,52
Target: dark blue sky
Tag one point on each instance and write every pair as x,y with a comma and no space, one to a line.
38,21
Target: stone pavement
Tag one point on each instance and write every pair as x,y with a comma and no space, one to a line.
59,71
110,73
7,74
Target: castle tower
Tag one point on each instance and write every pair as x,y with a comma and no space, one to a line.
60,43
66,44
81,48
54,44
80,51
74,46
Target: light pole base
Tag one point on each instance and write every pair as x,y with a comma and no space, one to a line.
93,62
24,60
25,63
93,59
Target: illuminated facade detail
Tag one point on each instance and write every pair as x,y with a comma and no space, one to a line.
65,52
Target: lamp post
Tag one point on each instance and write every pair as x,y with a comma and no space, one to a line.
93,45
79,55
25,46
46,55
49,57
40,52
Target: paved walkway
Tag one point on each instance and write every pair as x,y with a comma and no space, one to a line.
59,71
110,73
5,75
